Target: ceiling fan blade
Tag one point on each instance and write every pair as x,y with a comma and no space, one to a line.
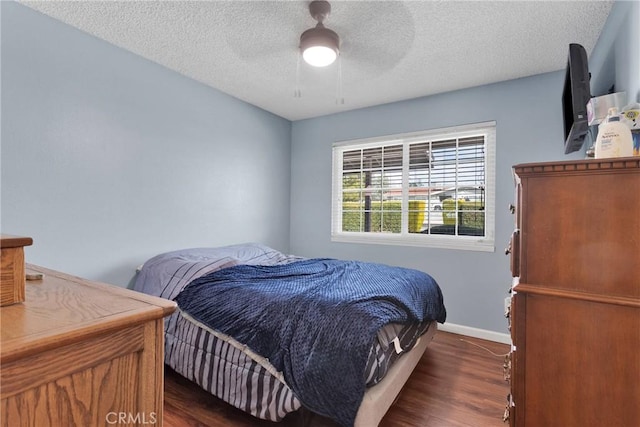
275,27
363,46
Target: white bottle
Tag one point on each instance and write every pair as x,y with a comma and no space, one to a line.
614,137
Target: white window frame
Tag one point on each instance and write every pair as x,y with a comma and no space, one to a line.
404,238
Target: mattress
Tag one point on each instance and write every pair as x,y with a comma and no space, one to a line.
232,372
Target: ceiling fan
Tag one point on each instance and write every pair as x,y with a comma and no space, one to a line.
319,46
282,31
359,46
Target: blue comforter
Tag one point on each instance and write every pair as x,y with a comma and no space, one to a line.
315,320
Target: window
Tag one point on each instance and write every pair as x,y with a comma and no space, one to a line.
432,188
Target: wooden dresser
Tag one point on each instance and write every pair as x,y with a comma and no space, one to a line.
575,313
81,353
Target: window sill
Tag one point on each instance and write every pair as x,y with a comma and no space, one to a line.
466,243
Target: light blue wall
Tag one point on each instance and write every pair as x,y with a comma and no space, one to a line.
108,159
529,129
615,60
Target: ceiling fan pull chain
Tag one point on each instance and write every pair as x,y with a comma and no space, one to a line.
296,91
339,95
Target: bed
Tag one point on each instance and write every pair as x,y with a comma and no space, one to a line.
218,338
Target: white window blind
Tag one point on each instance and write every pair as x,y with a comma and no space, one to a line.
433,188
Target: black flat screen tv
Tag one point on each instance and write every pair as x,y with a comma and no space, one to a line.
575,97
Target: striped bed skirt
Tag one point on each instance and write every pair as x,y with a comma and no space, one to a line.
231,372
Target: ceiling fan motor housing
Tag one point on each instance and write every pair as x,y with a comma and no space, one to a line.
319,10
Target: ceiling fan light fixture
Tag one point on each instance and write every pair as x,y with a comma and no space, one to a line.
319,56
319,46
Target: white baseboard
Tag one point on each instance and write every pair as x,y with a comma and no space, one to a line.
475,332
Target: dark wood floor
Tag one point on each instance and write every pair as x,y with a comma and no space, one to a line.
456,384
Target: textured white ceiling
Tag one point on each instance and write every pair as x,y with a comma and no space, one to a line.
391,50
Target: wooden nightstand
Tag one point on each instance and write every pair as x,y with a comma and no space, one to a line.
81,353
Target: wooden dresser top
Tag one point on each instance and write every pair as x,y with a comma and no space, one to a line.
584,166
62,309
